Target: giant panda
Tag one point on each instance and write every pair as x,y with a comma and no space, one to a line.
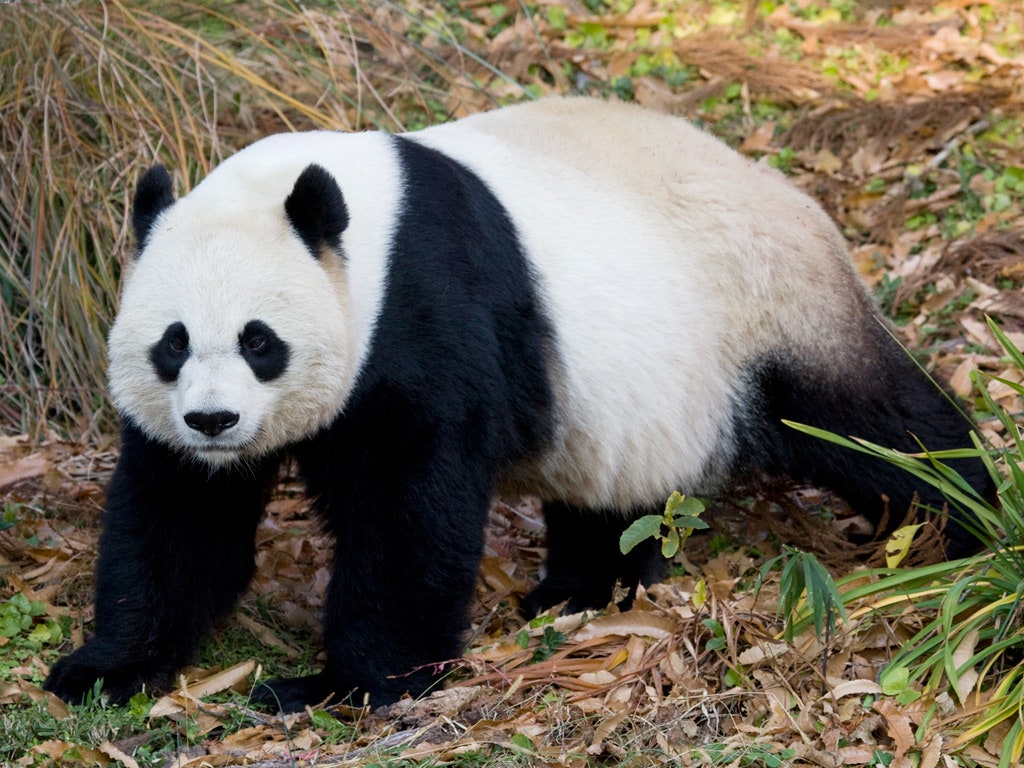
571,298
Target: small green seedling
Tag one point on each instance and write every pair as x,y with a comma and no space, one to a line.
895,681
806,591
673,528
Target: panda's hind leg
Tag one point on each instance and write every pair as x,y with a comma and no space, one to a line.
584,562
891,403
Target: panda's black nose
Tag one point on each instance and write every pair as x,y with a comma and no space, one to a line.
212,423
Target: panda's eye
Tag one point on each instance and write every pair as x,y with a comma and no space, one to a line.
177,346
256,343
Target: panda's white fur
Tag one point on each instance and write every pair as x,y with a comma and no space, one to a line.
665,265
581,300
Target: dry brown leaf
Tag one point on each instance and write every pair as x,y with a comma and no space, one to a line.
55,749
857,755
931,752
759,139
961,654
636,650
221,681
603,731
779,698
14,691
960,380
898,726
644,623
598,679
114,753
855,688
266,635
15,442
28,467
767,650
944,80
978,331
178,702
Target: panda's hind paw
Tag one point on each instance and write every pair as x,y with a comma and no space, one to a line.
573,595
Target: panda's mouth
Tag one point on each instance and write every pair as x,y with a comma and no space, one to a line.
217,449
217,454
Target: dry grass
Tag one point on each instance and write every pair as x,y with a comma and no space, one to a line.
95,93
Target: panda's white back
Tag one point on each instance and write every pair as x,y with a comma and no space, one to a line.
667,262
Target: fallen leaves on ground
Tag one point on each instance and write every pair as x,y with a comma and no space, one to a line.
586,686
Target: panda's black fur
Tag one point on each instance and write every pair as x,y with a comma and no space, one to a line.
454,386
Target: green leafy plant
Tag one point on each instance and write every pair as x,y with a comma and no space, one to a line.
968,612
784,160
19,617
330,728
717,641
895,681
673,527
549,643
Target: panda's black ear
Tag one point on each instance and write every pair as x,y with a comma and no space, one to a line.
316,210
152,196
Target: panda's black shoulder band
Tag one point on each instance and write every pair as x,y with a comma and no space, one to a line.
316,210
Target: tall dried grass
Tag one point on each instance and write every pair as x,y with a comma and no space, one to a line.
93,93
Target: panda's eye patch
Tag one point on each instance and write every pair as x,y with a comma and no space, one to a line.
264,351
170,353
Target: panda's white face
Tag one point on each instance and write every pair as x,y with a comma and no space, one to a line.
231,340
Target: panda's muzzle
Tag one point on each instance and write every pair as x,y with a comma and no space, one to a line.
211,423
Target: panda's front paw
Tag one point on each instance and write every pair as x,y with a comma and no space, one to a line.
70,680
294,694
74,677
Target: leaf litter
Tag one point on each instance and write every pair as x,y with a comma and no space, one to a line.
645,684
695,671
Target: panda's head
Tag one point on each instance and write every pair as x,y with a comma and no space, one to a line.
232,339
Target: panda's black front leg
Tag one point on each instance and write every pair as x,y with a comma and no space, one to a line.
408,522
175,553
398,604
